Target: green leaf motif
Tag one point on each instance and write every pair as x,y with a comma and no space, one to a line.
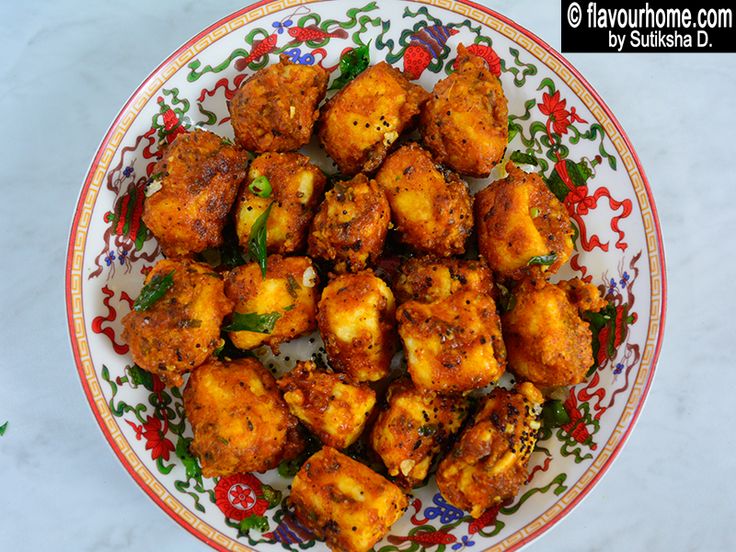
352,64
190,462
253,322
259,523
3,428
153,291
138,376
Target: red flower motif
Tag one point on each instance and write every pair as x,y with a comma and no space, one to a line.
240,496
554,108
156,441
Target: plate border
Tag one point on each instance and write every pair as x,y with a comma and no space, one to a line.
525,38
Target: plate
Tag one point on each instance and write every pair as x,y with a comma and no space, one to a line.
554,114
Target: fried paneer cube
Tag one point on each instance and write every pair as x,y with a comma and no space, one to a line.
328,404
431,209
344,502
296,189
275,109
465,121
182,328
489,463
452,345
522,227
191,192
357,321
412,429
239,420
289,289
351,225
359,124
428,279
548,343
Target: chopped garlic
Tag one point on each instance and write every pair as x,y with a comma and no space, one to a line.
153,187
406,466
292,111
309,278
390,137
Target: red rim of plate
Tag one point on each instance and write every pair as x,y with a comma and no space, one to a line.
658,231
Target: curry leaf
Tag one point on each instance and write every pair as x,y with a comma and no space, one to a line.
352,64
524,158
543,259
288,468
153,291
253,322
257,240
554,414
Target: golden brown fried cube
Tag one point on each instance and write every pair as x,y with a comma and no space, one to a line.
182,328
275,109
357,321
331,407
452,345
351,225
191,191
359,124
297,188
412,429
239,420
344,502
427,279
489,463
431,209
548,343
465,121
289,288
522,227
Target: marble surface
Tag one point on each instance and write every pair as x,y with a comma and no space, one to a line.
68,66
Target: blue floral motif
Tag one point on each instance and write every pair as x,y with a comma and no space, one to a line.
618,369
464,543
612,286
281,26
122,256
128,171
110,258
446,512
295,56
624,279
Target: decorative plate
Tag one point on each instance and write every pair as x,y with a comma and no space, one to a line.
554,114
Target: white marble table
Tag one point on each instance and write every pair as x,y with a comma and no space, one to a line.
67,66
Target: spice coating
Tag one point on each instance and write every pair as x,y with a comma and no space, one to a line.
180,330
489,463
191,192
275,109
296,189
239,420
431,209
465,122
344,502
359,124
